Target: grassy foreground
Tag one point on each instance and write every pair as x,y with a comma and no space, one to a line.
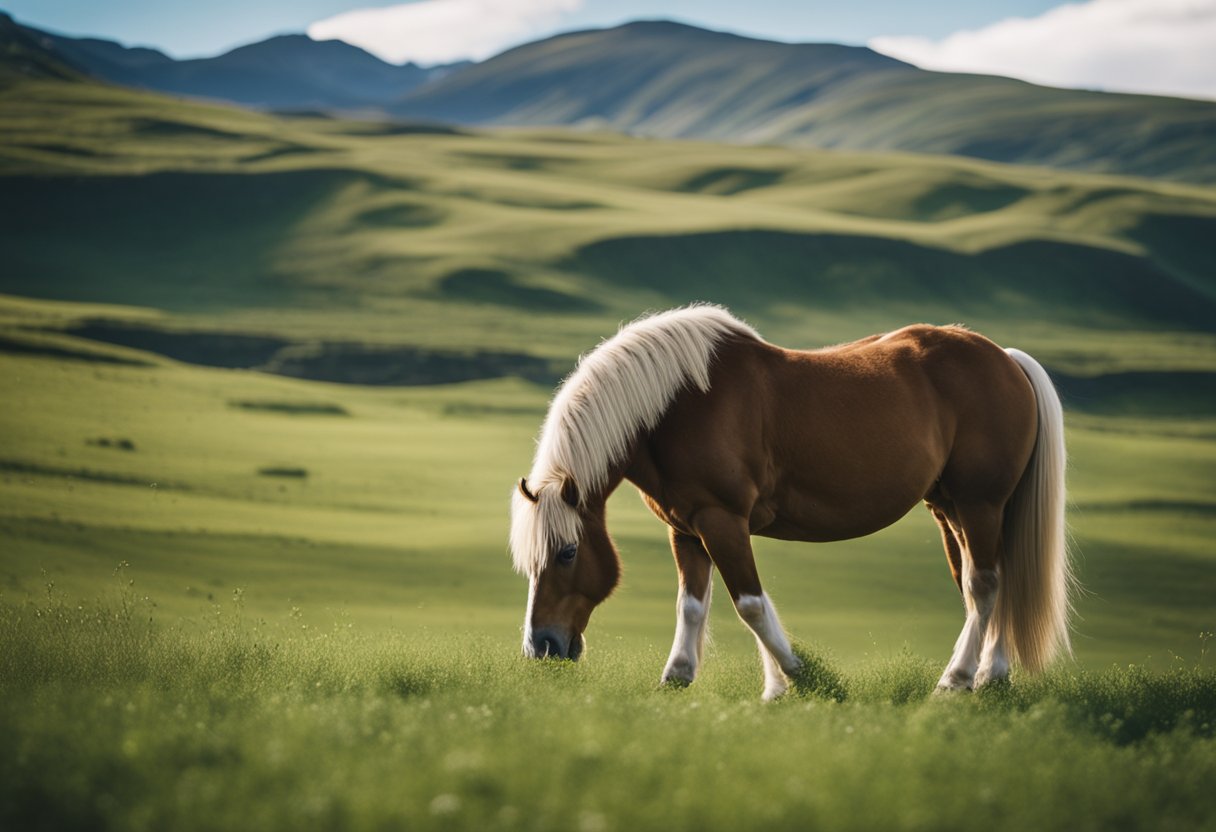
111,722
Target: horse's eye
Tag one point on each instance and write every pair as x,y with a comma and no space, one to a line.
565,555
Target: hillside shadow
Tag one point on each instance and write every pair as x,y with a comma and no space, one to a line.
1184,243
344,362
19,346
1177,394
173,129
177,241
727,181
499,288
958,199
400,215
754,270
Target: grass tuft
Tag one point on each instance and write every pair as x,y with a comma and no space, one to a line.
817,678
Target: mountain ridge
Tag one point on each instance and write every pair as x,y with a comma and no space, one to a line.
671,80
290,71
664,79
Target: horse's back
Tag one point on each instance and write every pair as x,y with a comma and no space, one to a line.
953,394
839,442
989,404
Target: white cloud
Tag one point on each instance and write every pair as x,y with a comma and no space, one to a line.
442,31
1165,47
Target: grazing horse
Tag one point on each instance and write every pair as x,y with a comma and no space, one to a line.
727,436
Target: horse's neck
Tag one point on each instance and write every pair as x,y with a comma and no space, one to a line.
640,469
616,475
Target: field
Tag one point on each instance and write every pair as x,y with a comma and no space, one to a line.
267,383
242,725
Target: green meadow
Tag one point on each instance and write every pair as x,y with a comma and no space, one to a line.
109,722
267,383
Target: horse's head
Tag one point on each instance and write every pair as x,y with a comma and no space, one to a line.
560,543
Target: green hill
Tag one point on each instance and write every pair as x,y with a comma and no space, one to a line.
228,216
674,81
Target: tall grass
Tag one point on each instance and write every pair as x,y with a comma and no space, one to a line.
109,720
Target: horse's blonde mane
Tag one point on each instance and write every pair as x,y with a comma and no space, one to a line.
618,390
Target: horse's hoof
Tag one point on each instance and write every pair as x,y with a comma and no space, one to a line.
772,694
991,682
678,675
674,682
955,680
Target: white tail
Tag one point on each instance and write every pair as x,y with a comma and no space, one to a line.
1033,605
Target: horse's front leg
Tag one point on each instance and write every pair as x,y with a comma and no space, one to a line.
692,609
728,540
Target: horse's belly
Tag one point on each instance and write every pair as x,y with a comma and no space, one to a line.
826,514
826,529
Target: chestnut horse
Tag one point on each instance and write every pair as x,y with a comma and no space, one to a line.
727,436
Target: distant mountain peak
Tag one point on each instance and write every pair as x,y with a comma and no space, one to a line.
661,25
283,72
668,79
24,54
297,44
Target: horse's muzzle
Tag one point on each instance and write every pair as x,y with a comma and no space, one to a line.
547,644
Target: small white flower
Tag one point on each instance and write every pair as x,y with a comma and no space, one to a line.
445,804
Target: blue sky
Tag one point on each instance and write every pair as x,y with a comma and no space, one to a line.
1165,47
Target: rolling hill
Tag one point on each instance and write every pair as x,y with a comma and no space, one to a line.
670,80
509,251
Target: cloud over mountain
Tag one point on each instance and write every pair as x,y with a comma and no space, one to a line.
1164,47
443,31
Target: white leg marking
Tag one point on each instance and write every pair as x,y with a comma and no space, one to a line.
994,660
758,613
692,615
980,597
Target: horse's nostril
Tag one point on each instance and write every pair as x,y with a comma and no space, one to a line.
547,647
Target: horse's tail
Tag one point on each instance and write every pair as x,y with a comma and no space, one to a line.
1033,606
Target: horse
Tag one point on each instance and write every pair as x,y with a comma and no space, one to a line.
727,436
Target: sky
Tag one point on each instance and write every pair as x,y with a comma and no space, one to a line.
1154,46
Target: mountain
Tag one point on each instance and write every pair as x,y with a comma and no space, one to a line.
671,80
24,55
281,73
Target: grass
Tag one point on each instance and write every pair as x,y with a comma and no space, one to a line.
234,721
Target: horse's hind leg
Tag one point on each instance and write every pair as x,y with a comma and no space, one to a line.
954,553
692,609
728,541
994,660
979,534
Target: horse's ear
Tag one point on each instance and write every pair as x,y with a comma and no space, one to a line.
523,489
570,492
